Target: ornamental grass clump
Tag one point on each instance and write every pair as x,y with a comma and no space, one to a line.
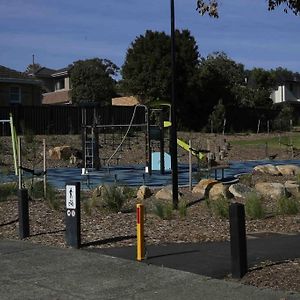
182,208
114,197
7,190
287,206
253,207
219,207
163,210
36,191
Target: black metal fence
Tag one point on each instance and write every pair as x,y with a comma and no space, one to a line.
46,120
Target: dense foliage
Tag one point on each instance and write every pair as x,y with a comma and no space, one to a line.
210,7
92,81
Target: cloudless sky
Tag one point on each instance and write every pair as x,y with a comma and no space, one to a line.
60,32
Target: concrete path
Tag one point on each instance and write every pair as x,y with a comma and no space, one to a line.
31,271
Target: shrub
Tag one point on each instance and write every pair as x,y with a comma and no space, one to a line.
7,189
287,206
220,207
253,207
246,179
164,210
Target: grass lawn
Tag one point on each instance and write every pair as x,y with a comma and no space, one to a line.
273,142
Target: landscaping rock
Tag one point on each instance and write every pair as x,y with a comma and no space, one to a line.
203,186
239,190
292,187
267,169
60,152
273,190
166,193
143,192
290,170
219,190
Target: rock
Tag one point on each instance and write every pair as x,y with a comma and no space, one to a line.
267,169
143,192
288,169
240,190
292,187
98,191
165,194
219,190
203,186
273,190
60,152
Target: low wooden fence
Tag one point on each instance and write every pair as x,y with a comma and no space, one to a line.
64,119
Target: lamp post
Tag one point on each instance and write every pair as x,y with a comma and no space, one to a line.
174,163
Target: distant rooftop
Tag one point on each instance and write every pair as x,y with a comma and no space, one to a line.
10,73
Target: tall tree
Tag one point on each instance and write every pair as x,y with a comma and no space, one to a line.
218,77
147,68
32,68
210,7
92,81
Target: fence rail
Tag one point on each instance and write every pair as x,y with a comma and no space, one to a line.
47,120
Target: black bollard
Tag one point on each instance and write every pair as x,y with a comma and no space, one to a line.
238,242
23,214
73,236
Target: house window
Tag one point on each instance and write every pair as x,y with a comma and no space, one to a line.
60,84
15,94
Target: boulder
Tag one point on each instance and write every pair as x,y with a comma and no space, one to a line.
240,190
143,192
273,190
292,187
288,169
60,152
219,190
98,191
267,169
165,193
204,185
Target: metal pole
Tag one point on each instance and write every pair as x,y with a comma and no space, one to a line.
173,114
190,166
44,168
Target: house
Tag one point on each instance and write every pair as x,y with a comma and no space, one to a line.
287,91
56,85
17,88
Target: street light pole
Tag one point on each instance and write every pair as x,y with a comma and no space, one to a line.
174,163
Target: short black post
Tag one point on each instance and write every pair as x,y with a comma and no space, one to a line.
23,214
73,236
238,242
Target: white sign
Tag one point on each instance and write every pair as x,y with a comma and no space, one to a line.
70,196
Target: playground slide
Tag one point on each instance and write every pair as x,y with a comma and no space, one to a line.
186,147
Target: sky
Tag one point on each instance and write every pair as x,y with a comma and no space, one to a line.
59,32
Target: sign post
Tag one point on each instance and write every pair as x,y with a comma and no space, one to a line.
73,237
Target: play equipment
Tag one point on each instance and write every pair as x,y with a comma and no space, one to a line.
96,126
14,141
186,147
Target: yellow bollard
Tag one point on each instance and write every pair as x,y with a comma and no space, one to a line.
140,247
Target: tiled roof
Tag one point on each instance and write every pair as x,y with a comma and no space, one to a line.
44,72
125,101
10,73
58,97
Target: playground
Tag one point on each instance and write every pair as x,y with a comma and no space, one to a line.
196,221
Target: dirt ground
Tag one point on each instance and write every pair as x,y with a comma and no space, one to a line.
118,229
